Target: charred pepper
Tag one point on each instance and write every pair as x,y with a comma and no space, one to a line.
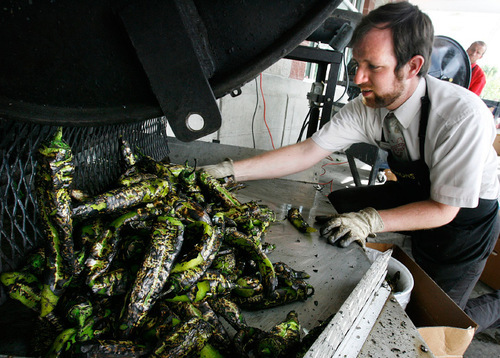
120,199
53,178
165,245
298,221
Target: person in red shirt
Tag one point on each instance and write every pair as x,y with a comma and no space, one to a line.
478,80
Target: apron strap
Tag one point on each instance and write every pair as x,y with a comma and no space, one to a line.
424,118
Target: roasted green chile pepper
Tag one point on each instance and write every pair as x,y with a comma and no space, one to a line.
298,221
248,286
265,266
283,338
209,351
229,310
186,273
188,181
225,263
166,242
105,247
23,287
120,199
215,191
282,295
190,211
210,284
188,339
114,348
53,178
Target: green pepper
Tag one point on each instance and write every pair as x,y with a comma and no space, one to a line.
265,266
189,185
206,235
187,339
28,293
190,211
120,199
162,170
53,178
186,273
283,339
229,310
225,263
164,247
298,221
105,248
215,191
248,287
282,296
210,284
288,276
209,351
114,348
63,342
111,283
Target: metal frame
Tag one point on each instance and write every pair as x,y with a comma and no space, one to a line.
324,58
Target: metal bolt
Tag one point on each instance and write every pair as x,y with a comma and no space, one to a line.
195,122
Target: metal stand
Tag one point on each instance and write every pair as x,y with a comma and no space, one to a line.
368,154
324,59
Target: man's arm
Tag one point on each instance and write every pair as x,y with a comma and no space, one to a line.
280,162
420,215
357,226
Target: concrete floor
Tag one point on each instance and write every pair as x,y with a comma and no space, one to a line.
336,175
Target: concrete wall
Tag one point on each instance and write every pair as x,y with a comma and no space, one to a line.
286,107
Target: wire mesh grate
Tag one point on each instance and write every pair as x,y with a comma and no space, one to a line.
98,164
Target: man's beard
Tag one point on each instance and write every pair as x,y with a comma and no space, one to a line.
385,100
377,101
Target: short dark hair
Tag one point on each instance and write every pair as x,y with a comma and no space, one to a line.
412,31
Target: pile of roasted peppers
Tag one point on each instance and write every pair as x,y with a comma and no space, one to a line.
150,267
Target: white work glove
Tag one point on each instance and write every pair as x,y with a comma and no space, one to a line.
220,170
355,226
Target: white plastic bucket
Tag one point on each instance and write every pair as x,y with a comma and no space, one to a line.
405,283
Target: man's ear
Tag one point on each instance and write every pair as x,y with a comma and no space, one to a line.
415,64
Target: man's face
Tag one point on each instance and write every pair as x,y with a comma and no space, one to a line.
475,52
380,85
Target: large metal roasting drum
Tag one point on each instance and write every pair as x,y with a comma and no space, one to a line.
95,62
106,69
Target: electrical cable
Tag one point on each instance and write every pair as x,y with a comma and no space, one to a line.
255,111
324,172
304,125
346,74
265,121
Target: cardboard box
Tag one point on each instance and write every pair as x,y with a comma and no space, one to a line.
490,275
496,144
446,329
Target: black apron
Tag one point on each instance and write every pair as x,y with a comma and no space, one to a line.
469,237
444,251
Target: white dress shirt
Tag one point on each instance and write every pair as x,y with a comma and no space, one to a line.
458,144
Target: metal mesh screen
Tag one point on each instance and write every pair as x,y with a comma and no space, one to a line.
98,163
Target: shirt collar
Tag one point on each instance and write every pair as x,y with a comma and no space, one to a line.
409,110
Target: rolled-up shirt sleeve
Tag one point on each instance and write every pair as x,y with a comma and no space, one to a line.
355,123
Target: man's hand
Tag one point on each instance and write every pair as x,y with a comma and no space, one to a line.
349,227
220,170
